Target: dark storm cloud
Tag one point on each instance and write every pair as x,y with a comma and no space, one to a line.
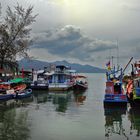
70,41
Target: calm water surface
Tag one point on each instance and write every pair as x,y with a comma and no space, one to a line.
68,116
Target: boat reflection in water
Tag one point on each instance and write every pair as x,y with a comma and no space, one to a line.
79,97
40,96
134,117
114,122
60,99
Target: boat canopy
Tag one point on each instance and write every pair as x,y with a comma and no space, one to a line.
5,83
72,71
17,80
40,71
80,76
49,73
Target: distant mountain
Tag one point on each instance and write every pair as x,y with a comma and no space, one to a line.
36,64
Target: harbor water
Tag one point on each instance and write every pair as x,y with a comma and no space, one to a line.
72,115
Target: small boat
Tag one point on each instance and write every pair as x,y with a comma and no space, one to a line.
23,94
40,80
4,86
5,97
80,82
115,93
16,84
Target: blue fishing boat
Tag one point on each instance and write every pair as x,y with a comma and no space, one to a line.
115,93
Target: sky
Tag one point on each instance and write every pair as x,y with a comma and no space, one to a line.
84,31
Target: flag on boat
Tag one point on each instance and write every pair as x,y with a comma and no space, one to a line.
108,65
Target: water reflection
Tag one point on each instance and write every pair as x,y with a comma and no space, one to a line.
59,98
114,122
40,96
134,117
80,97
14,123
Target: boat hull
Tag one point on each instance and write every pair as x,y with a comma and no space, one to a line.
80,87
24,94
39,86
5,97
115,104
115,100
59,87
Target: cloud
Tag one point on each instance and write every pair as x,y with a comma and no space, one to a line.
70,42
131,5
65,20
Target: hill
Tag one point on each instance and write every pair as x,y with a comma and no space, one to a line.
36,64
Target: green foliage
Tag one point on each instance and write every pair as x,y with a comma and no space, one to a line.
15,33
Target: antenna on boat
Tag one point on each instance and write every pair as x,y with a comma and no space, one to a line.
127,65
112,61
117,55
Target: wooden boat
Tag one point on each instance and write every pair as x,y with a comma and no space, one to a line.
4,86
114,93
80,82
23,94
133,85
5,97
8,86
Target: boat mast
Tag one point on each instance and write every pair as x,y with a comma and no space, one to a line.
112,61
117,55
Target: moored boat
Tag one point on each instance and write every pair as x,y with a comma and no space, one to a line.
23,94
115,93
5,97
61,79
40,80
81,82
133,85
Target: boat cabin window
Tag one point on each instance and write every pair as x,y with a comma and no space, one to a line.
117,88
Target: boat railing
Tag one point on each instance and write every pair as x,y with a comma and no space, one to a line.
59,81
113,74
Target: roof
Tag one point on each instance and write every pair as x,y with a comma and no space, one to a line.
72,71
17,80
80,76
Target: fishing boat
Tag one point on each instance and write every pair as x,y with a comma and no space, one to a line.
133,85
81,82
4,86
61,79
114,92
23,94
5,97
16,84
40,80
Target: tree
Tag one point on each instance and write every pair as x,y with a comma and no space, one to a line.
14,33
